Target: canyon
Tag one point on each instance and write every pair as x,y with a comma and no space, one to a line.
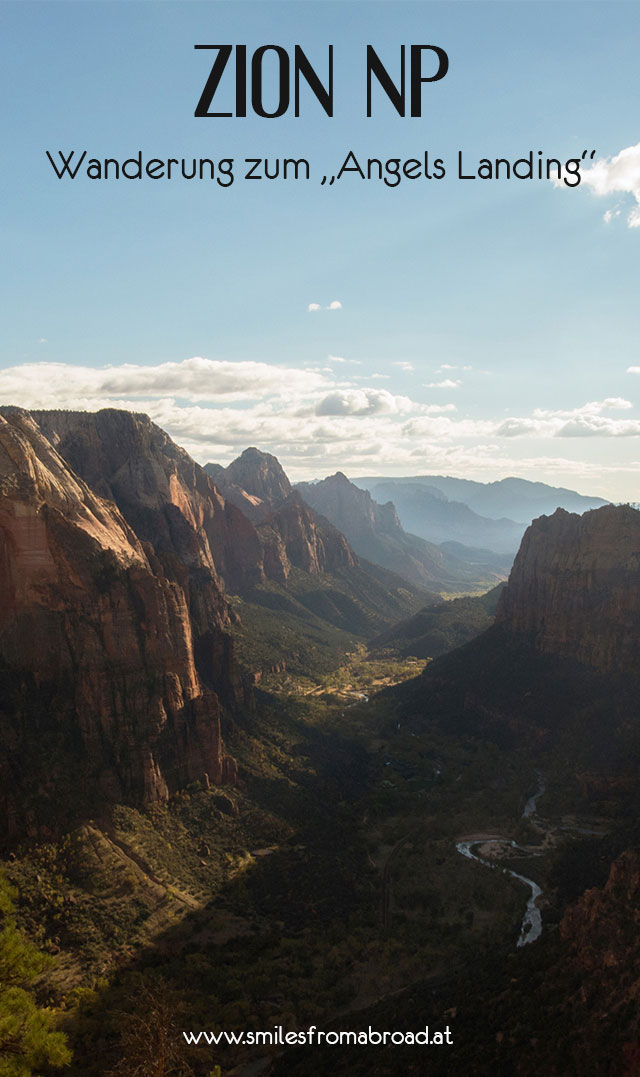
238,756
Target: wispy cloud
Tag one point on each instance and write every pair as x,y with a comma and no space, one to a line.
585,421
614,175
446,383
408,368
340,359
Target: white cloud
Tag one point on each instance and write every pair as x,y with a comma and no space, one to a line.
319,423
335,304
633,370
363,402
336,359
384,377
42,385
517,428
585,421
42,340
611,175
407,367
447,383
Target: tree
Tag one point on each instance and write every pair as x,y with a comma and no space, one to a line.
150,1043
28,1040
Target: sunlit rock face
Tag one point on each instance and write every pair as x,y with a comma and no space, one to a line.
291,532
111,646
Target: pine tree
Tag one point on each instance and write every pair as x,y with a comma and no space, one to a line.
28,1040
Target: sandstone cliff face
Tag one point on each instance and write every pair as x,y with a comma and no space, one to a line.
165,495
101,696
574,590
310,543
291,532
259,474
351,509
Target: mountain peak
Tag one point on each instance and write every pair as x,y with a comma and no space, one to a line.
259,474
339,479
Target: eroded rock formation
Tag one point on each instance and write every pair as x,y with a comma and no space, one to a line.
574,590
102,697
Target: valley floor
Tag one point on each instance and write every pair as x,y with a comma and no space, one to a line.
326,884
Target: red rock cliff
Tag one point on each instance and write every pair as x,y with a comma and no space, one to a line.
574,589
101,698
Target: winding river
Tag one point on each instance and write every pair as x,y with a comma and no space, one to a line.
532,923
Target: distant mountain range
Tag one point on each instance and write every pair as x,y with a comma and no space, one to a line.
375,532
492,515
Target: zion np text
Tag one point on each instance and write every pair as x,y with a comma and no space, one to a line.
271,82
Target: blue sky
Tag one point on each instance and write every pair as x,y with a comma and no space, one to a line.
484,328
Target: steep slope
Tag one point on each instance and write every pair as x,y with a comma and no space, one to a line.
574,589
325,598
101,694
165,496
258,485
256,473
557,674
375,532
437,629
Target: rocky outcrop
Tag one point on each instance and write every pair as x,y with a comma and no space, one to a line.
257,473
574,590
604,924
590,994
166,497
103,698
352,510
310,543
292,533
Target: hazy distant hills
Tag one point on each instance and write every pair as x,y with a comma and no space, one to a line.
517,499
375,532
425,511
493,515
